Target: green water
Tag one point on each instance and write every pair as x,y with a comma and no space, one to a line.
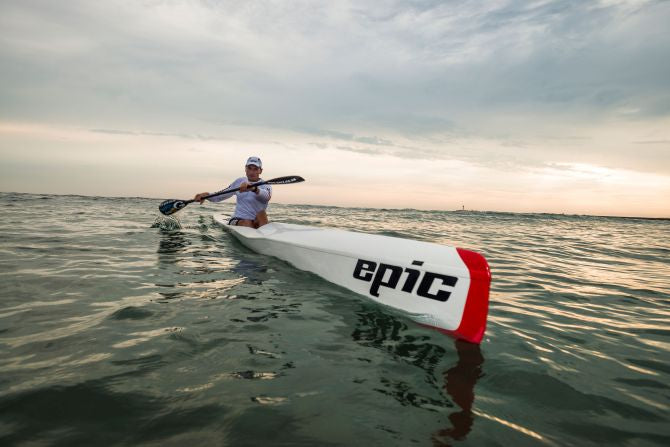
116,332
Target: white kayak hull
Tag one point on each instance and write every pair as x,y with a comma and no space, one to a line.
443,287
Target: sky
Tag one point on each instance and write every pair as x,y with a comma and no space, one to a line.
501,105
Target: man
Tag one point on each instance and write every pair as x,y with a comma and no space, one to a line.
251,201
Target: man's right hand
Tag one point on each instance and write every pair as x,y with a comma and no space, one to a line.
199,197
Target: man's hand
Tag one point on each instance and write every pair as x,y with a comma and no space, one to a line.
199,197
244,187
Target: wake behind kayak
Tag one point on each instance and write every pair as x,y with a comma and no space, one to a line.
443,287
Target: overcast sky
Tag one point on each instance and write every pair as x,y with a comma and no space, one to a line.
545,106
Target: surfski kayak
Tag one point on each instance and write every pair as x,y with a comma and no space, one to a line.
443,287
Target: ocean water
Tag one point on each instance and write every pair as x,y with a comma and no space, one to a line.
115,331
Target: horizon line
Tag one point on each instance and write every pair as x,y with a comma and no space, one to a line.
369,208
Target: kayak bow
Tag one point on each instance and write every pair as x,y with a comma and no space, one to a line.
442,287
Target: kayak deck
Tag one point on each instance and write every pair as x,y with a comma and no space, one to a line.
439,286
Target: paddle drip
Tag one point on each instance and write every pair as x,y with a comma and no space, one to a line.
168,223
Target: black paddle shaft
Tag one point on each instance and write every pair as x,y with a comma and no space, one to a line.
171,206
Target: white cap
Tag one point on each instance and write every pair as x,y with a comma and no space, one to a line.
254,161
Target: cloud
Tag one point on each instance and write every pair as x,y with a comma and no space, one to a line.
155,134
411,67
509,84
373,140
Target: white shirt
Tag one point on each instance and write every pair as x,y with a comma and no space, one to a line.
248,203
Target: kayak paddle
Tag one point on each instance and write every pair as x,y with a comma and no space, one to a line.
171,206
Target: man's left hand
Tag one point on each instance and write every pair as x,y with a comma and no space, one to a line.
244,187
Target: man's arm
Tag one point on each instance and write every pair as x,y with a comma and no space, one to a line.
220,197
263,193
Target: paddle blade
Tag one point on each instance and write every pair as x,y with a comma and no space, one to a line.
286,180
171,206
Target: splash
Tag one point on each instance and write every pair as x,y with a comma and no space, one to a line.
168,223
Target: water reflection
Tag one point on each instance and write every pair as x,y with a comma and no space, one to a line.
171,243
197,265
384,331
254,271
460,383
170,247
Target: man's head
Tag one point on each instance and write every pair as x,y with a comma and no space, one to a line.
253,168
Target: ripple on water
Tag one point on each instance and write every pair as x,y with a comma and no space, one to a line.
156,334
